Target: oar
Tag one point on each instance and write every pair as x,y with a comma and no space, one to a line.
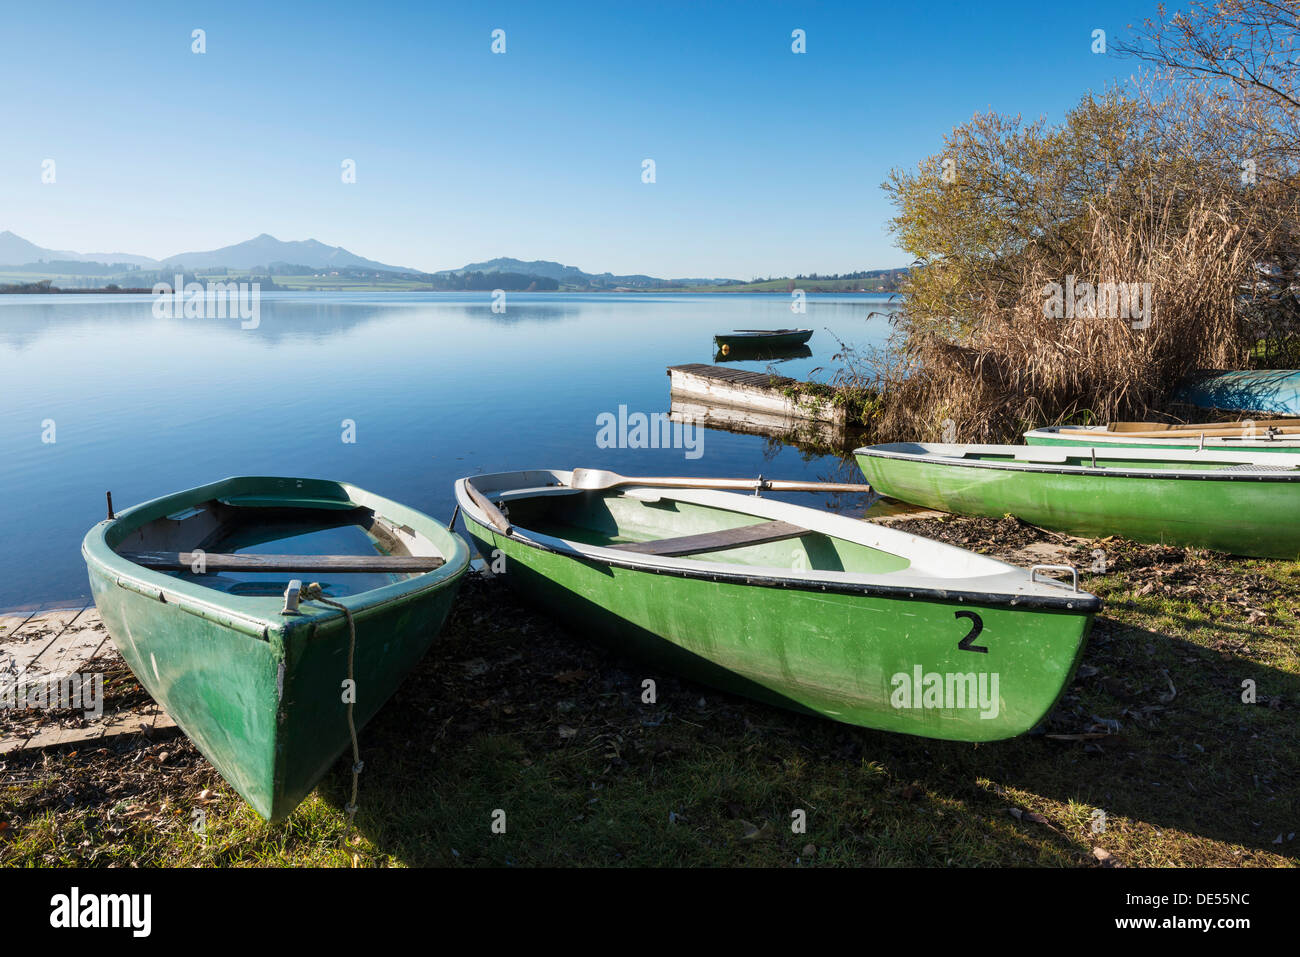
598,479
1129,428
1231,432
494,514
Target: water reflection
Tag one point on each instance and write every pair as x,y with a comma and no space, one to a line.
437,385
738,354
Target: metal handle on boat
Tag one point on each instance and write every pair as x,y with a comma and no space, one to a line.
1074,573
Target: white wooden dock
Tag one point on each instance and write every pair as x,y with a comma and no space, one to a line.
765,396
726,418
47,646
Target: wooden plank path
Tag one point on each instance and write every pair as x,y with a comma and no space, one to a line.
757,391
47,646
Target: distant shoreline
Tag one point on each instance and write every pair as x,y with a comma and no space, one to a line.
32,290
104,290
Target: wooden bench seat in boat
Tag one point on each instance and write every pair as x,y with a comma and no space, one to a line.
215,562
759,534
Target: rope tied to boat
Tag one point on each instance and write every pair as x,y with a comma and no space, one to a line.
314,592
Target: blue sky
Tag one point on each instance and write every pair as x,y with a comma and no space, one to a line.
767,162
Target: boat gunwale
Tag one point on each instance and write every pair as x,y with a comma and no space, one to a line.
1041,594
193,598
755,334
1267,473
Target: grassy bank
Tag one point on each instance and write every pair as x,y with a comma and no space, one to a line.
511,712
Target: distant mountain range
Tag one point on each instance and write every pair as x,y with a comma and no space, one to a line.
309,263
16,251
261,250
265,251
573,276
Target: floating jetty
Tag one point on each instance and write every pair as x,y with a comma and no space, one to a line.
787,429
39,652
754,402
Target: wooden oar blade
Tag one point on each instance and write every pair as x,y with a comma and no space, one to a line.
595,479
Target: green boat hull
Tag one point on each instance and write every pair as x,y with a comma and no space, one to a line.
259,693
1242,515
866,660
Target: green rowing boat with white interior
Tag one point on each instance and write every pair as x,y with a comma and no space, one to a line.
203,594
793,606
1239,502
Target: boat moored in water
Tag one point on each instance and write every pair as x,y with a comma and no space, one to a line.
756,340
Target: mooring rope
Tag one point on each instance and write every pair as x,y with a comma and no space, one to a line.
314,592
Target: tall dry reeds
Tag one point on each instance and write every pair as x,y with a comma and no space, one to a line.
1032,358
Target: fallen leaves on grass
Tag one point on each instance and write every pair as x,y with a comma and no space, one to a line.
1105,857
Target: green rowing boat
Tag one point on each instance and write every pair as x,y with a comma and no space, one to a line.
201,592
749,340
793,606
1212,437
1239,502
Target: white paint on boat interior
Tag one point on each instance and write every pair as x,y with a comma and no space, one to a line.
932,566
1031,458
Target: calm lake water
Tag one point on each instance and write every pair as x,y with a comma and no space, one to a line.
438,387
